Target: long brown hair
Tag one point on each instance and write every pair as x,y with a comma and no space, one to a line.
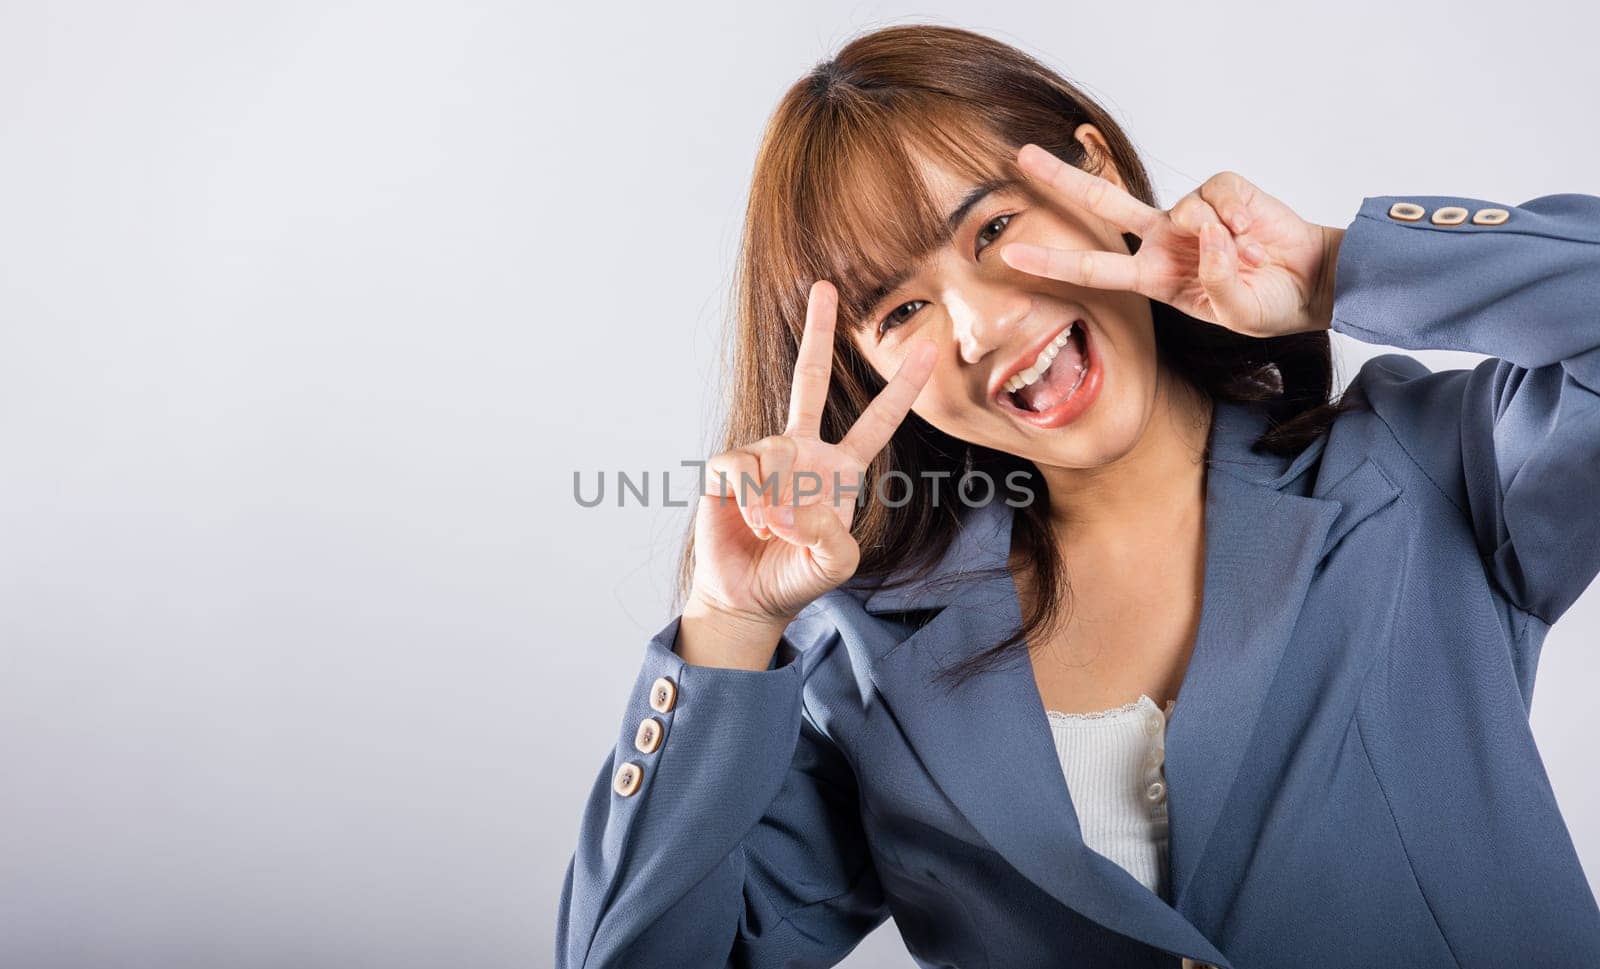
836,195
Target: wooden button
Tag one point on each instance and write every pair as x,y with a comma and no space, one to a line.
648,736
1490,216
1449,215
1189,963
663,694
1406,211
627,780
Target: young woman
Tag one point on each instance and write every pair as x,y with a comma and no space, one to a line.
1151,652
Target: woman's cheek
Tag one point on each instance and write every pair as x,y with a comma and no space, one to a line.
947,404
1056,235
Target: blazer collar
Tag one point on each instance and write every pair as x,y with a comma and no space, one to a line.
986,742
984,540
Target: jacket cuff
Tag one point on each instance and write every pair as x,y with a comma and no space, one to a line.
726,739
706,715
1507,281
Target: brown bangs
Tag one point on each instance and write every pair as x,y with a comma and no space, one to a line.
861,216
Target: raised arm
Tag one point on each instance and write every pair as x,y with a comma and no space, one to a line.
1515,441
738,842
723,829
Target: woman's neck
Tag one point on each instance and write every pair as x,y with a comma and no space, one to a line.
1156,487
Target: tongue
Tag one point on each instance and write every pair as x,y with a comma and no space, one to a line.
1054,386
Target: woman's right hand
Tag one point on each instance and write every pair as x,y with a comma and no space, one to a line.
761,557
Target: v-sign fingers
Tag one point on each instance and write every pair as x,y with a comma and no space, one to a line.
1232,196
1100,196
814,364
1192,212
877,424
1233,304
1095,268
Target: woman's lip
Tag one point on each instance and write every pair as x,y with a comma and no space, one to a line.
1070,409
998,390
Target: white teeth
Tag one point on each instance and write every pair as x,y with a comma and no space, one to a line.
1041,363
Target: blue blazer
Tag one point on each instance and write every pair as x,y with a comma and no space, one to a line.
1352,777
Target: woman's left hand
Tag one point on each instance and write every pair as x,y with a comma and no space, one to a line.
1271,275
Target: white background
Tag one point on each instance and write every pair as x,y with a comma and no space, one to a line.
308,314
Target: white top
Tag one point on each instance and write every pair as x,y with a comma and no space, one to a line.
1114,762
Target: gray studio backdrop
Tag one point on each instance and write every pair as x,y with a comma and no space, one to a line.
308,313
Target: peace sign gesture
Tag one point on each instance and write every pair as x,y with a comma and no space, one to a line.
1271,275
772,532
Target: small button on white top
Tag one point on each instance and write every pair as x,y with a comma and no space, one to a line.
1108,759
1156,792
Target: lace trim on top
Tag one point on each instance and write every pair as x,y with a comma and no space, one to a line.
1131,706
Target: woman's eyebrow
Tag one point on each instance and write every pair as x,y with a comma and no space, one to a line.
978,193
952,224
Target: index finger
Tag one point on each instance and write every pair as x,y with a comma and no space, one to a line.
1098,195
814,364
877,424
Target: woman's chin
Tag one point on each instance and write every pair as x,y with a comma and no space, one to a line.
1100,436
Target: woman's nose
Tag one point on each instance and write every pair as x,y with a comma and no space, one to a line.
981,324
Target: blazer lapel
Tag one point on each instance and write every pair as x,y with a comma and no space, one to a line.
1265,536
1262,547
986,741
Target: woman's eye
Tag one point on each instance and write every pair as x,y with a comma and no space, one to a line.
990,232
895,318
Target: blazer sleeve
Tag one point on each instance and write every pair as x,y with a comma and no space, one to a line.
1514,442
743,843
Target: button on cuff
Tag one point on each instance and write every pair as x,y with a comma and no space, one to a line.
663,694
648,737
1406,211
628,778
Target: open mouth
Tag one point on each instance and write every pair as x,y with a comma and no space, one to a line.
1059,383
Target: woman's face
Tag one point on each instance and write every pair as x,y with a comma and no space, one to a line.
991,324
